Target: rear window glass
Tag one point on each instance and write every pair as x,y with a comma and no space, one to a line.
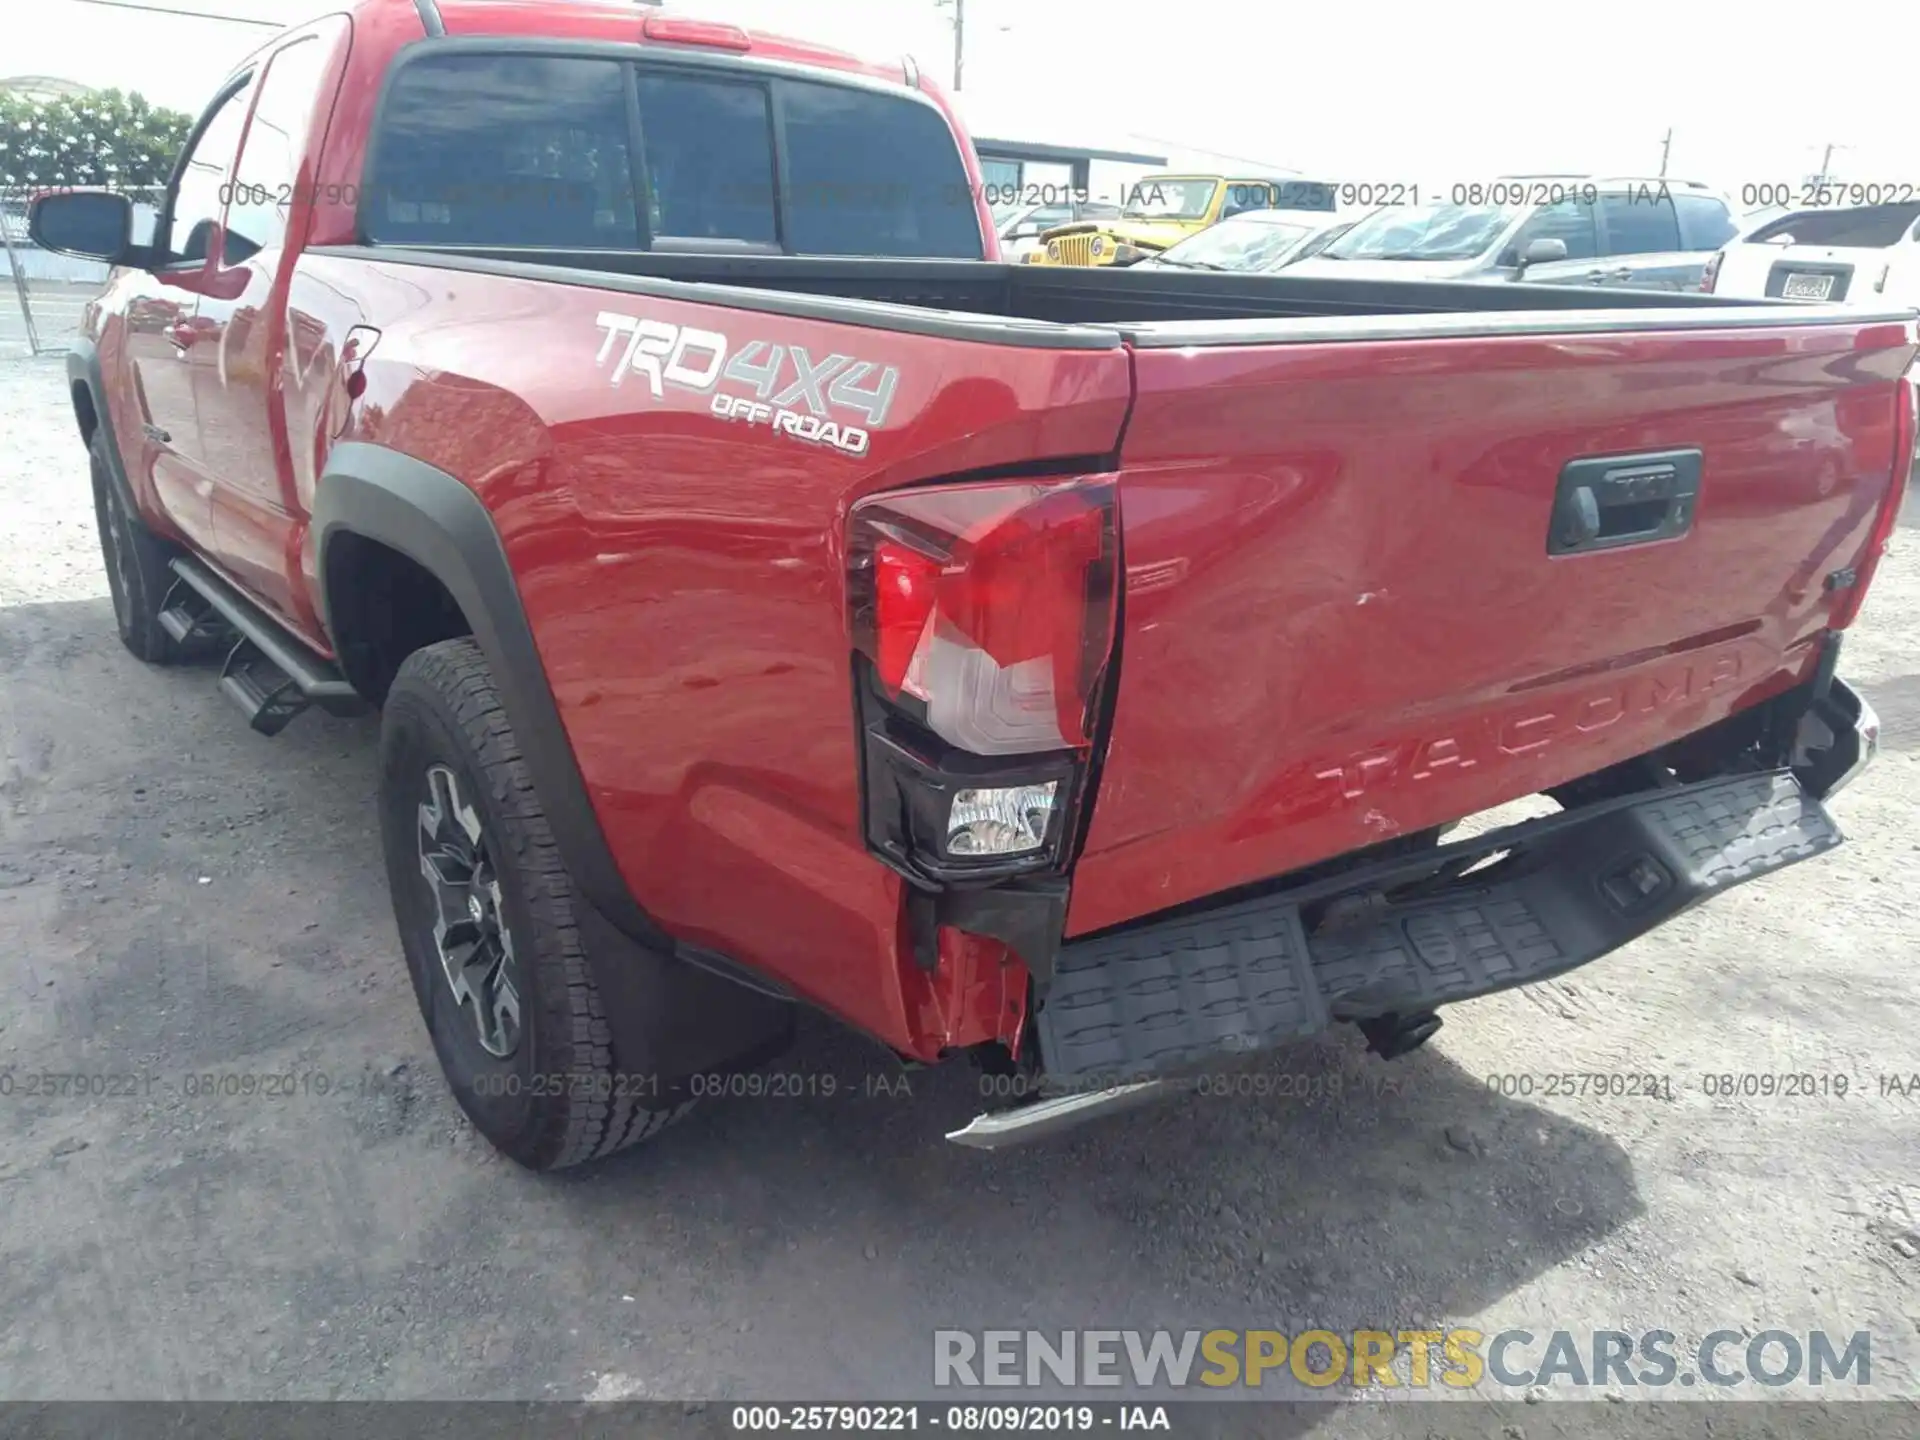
1870,227
871,175
531,150
709,148
503,150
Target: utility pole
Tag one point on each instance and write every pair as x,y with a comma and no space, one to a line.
959,39
1666,145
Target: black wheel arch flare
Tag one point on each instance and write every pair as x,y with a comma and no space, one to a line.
439,523
705,1013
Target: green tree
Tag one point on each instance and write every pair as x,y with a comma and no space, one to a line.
100,138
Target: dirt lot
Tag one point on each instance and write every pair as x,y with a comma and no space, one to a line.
184,898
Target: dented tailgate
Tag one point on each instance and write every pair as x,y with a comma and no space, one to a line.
1375,585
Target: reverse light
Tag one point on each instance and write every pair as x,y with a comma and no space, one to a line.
1009,820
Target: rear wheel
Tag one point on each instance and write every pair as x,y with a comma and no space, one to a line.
138,576
486,916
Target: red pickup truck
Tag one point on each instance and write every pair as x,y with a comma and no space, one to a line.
772,598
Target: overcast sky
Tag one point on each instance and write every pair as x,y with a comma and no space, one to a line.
1393,90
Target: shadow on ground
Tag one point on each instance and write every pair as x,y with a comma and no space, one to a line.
230,917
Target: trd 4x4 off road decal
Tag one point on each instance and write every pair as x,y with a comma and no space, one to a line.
787,388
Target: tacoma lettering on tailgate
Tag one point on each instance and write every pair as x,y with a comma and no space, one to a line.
704,361
1528,731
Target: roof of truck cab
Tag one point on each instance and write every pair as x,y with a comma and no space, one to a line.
624,21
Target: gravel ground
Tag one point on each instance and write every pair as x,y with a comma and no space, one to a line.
186,898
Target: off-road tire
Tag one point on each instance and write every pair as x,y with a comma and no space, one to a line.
138,576
557,1099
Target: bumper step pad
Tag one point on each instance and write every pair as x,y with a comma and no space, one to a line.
1163,998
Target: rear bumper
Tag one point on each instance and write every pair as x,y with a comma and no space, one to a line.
1141,1012
1839,738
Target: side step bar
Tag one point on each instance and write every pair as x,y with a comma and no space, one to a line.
998,1129
270,675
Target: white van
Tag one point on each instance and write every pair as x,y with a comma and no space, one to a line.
1868,254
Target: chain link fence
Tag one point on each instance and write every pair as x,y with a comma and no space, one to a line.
42,294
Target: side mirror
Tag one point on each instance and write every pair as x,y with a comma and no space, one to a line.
1541,250
93,224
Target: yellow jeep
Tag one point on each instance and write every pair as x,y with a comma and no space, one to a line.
1162,210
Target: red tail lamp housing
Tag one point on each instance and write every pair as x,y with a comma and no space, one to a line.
989,608
1710,276
982,623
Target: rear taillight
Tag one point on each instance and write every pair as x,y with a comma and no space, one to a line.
982,619
1906,438
1711,274
988,608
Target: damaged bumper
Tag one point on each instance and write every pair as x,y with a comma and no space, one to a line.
1135,1014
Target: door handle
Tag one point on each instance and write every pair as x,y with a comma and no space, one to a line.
181,335
1596,276
1625,272
1608,501
157,435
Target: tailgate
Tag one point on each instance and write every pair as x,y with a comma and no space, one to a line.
1365,594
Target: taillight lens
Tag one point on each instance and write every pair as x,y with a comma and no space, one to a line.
1711,275
984,614
987,610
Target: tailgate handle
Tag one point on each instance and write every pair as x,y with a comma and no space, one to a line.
1606,501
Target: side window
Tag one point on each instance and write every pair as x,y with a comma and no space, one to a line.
197,202
1245,195
263,183
1569,220
1705,223
709,149
502,149
1641,224
870,174
1000,176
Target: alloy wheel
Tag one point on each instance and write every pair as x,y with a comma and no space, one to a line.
470,929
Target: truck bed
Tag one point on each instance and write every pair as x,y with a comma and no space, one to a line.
965,297
1343,622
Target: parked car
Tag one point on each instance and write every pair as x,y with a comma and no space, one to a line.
1035,666
1868,254
1159,211
1020,229
1256,240
1614,232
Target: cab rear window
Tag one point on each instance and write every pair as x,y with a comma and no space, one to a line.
500,149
